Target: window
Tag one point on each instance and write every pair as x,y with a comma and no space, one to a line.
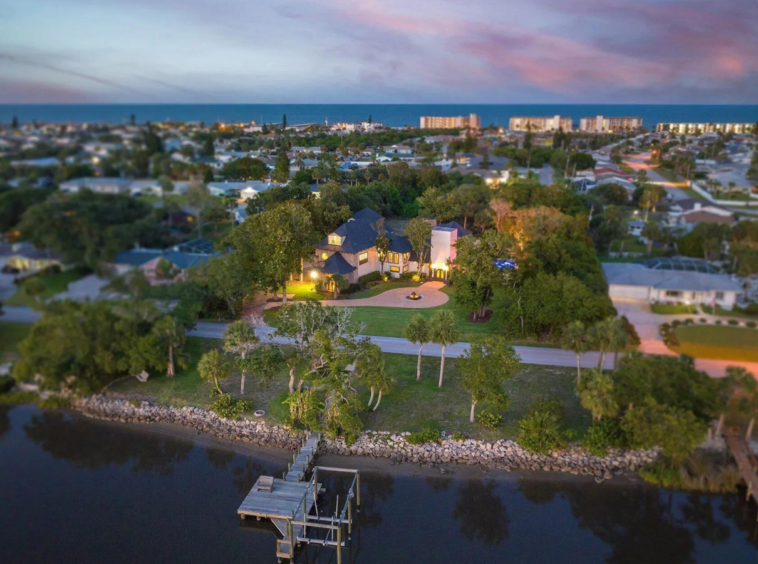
393,258
673,294
406,257
394,269
720,296
363,258
335,240
405,267
324,256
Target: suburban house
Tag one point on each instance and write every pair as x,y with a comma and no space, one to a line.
350,250
182,257
24,257
690,212
638,282
100,185
245,190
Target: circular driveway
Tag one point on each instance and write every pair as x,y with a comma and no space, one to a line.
430,292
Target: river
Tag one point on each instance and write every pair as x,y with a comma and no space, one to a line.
74,490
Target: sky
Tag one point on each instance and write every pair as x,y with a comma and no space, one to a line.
379,51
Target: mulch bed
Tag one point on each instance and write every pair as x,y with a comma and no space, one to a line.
484,319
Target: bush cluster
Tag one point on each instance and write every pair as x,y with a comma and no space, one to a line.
6,384
603,435
227,407
427,435
542,430
375,276
489,420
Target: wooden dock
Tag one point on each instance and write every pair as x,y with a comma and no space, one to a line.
746,461
291,504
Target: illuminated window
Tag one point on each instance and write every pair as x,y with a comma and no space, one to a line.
405,267
393,258
406,257
363,258
335,240
394,269
324,256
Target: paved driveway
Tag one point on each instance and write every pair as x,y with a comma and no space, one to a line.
430,292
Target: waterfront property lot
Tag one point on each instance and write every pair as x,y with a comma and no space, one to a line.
718,342
410,405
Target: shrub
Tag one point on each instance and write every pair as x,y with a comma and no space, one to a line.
17,398
542,430
750,324
733,322
134,402
489,420
227,407
689,321
55,402
634,338
719,322
703,320
665,327
352,289
427,435
671,339
375,276
405,276
603,435
6,384
458,436
676,323
752,308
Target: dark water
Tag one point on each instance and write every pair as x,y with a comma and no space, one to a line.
78,491
390,114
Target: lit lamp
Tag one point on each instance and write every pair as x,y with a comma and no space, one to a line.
314,274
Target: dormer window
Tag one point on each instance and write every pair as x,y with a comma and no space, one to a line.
335,239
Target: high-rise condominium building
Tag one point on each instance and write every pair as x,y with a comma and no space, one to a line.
602,124
541,123
700,128
450,122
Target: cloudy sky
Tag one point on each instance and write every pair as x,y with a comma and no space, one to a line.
379,51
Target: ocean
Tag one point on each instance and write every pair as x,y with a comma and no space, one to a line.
394,115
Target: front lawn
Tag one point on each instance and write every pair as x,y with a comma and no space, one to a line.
720,342
673,309
410,405
54,284
304,290
736,312
670,175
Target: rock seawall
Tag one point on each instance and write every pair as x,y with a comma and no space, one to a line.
502,454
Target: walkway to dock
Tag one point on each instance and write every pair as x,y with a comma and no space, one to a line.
291,504
746,461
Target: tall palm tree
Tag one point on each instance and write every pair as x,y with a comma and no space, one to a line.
443,332
171,332
574,338
417,332
608,335
596,395
240,339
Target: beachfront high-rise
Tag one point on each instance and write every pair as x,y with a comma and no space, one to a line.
450,122
700,128
536,124
602,124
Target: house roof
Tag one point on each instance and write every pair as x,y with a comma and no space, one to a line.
457,226
201,246
336,264
400,244
630,274
137,257
186,260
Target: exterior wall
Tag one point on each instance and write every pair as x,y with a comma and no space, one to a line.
645,293
443,249
628,292
551,123
609,124
449,122
699,128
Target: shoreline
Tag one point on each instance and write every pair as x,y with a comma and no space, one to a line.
445,456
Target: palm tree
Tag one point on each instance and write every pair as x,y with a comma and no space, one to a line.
214,367
596,395
574,338
169,329
240,339
443,332
608,335
417,332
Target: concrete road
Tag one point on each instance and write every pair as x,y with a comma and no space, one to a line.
529,355
637,162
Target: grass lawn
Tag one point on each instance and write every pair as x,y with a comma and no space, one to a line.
410,406
305,290
381,288
718,342
631,245
736,312
673,309
11,334
669,175
54,284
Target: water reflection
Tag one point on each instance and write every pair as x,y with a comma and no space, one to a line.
91,446
376,487
5,422
246,475
481,512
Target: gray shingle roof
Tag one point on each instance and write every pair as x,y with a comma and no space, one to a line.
627,274
336,264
